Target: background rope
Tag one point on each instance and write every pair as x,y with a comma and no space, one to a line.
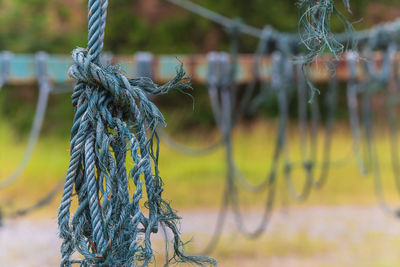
374,82
41,106
5,59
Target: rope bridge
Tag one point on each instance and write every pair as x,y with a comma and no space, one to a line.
114,117
21,69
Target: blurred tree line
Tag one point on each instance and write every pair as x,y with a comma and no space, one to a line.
58,26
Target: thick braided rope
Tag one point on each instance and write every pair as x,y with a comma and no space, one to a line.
112,116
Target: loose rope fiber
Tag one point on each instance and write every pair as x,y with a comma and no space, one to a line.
315,28
112,116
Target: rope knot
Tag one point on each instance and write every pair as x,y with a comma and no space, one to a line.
124,91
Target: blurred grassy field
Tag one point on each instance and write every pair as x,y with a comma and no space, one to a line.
196,184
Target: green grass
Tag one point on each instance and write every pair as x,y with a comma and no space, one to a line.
197,182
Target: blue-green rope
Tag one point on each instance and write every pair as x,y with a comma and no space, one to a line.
374,82
308,163
352,102
112,118
392,102
144,62
315,29
331,103
42,202
279,80
308,148
5,58
41,106
182,148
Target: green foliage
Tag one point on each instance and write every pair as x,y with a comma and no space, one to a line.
59,26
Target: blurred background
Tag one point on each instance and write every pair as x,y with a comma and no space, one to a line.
340,223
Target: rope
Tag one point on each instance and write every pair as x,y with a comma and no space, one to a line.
4,67
112,116
44,201
183,149
309,158
144,63
215,17
392,102
374,82
331,103
279,80
230,195
315,31
352,102
41,106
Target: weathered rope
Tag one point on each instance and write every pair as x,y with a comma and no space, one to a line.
352,102
112,117
308,163
230,196
279,83
392,102
250,103
376,81
308,142
184,149
144,61
331,103
41,106
44,201
315,29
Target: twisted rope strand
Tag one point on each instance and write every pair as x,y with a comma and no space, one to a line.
112,116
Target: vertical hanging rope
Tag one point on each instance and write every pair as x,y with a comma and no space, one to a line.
5,58
308,148
352,102
392,102
376,81
331,103
41,106
112,118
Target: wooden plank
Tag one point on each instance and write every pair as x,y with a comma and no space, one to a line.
23,67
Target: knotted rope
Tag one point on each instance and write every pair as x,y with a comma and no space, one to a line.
112,117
